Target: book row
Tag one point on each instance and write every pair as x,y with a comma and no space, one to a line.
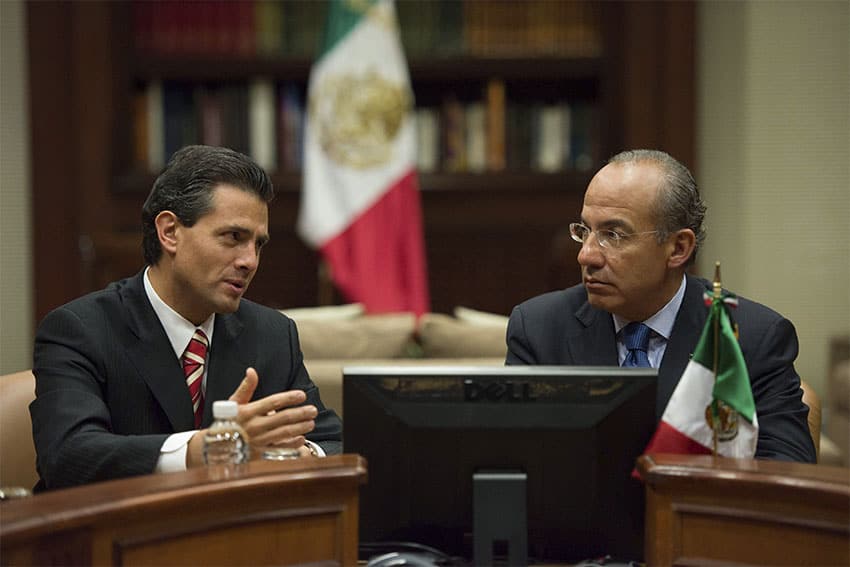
500,28
259,119
525,137
267,120
242,28
294,28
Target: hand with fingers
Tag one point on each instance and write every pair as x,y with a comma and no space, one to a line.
275,421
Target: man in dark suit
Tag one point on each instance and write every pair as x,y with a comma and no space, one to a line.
117,390
641,226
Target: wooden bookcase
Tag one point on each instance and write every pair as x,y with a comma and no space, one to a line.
493,238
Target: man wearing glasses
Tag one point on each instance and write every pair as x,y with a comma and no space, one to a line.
640,228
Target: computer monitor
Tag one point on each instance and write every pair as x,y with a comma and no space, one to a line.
574,432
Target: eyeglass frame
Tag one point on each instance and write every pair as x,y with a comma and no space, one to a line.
613,243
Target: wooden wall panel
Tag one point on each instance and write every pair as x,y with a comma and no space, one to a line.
652,61
56,271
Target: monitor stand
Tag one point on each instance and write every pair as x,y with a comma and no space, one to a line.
499,516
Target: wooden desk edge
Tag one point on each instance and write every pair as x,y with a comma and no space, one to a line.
704,510
77,505
661,469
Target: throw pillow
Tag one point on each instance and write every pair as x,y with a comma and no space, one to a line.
443,336
326,312
476,317
370,336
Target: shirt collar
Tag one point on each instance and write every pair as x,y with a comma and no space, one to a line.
662,322
178,329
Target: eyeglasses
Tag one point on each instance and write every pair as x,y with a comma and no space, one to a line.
606,237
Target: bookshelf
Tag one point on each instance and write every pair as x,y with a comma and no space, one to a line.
494,225
498,85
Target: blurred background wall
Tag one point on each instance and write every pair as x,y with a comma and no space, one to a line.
773,145
772,159
16,298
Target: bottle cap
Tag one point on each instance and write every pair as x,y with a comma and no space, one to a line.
225,409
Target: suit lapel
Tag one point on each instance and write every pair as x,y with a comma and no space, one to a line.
595,345
227,362
683,340
154,358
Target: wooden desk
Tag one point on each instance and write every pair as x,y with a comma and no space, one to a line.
300,511
705,510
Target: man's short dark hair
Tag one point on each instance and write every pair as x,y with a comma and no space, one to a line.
185,187
679,204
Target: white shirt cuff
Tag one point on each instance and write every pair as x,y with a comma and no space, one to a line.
172,454
319,451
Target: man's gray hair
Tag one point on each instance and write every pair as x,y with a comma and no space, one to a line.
679,204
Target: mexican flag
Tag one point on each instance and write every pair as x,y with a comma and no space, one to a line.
715,388
360,201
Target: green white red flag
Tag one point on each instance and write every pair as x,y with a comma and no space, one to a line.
360,199
714,388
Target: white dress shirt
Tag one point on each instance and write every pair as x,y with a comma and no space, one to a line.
172,454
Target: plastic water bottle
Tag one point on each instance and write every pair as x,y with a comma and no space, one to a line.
226,442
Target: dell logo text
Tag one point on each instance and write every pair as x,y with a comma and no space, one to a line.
507,391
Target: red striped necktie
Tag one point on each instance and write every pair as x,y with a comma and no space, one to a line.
193,360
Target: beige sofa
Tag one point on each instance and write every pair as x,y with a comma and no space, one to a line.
335,337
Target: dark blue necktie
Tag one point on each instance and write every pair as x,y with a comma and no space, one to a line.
636,338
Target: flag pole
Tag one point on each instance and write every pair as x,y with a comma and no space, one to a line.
717,291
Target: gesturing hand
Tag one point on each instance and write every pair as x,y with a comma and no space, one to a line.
273,420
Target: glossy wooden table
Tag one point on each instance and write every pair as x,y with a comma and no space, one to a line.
703,510
289,512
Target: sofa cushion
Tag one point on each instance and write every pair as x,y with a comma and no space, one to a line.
327,373
444,336
325,313
372,336
476,317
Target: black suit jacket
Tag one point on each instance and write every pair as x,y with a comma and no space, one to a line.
109,389
562,328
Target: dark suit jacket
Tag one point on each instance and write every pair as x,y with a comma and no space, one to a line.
561,328
109,389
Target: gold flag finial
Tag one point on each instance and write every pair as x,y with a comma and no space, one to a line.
717,285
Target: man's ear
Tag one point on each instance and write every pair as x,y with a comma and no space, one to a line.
683,242
167,225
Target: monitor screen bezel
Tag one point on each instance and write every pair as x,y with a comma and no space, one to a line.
380,454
